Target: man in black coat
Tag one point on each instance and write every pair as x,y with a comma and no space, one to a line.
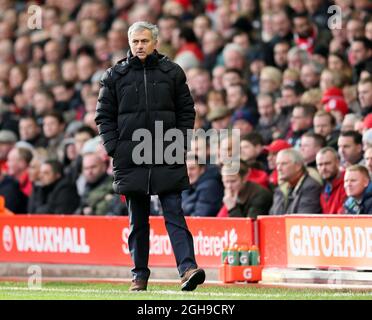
56,194
137,95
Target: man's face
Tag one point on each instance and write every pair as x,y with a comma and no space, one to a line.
308,149
271,160
365,94
51,127
348,150
232,183
194,170
368,159
142,44
355,183
280,54
46,175
93,168
15,164
308,77
299,121
302,27
322,126
287,169
327,165
247,150
5,148
358,51
28,129
234,97
265,107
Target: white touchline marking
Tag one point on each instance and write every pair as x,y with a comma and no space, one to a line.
215,294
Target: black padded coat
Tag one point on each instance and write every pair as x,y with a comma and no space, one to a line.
133,96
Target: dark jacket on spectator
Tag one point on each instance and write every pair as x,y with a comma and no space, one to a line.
204,198
59,197
133,96
303,198
352,206
253,200
98,196
15,199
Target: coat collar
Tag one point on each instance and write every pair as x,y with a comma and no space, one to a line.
153,60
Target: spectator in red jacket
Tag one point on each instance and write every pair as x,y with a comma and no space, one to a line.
19,160
333,194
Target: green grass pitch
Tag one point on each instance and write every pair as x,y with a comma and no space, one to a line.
103,291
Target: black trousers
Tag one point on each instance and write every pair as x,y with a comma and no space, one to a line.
175,223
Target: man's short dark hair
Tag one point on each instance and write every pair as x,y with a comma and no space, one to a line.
323,113
56,166
366,42
357,137
308,109
86,129
234,70
319,140
55,114
254,138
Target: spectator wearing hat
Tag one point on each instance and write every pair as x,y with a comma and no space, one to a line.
267,122
333,194
338,108
368,160
272,151
244,120
297,192
242,198
324,124
365,96
220,118
7,141
350,148
358,188
204,197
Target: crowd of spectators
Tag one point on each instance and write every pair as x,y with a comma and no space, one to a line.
295,79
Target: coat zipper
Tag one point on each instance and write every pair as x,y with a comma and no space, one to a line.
148,123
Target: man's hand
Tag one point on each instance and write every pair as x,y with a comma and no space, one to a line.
230,199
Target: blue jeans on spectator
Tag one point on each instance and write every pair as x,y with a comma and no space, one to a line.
175,223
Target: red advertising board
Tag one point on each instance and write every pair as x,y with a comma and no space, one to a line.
104,240
316,241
